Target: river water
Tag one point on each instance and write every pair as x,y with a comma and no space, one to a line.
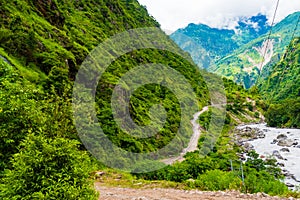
266,147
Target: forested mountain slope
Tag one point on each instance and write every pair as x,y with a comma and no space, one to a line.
217,43
282,88
239,55
42,46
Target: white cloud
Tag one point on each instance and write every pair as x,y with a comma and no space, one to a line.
174,14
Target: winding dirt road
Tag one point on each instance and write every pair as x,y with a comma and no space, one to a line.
192,146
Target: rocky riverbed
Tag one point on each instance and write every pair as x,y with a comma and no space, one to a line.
281,144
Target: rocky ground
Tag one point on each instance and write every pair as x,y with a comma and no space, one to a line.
116,193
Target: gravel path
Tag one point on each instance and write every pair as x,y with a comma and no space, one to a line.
192,146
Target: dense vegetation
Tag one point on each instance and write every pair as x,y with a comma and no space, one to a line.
214,171
42,46
282,89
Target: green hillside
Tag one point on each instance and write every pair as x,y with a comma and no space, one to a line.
246,63
282,88
42,45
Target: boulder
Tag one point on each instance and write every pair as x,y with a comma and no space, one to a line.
261,135
274,141
277,155
290,185
285,150
286,143
280,164
248,146
282,137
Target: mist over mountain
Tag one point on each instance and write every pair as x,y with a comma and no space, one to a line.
241,53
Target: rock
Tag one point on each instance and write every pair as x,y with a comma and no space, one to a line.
280,164
261,135
277,155
286,143
294,178
282,137
298,146
285,150
289,185
140,198
274,141
191,180
248,146
99,174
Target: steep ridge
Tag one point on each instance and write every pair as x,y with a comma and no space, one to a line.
282,89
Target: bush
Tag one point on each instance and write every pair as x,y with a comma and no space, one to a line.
264,182
48,169
218,180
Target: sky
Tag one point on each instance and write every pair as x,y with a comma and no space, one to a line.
174,14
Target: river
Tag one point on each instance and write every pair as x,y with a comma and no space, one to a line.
286,154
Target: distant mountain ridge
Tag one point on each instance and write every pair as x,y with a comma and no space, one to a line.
238,54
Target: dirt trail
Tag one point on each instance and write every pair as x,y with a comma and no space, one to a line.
107,193
192,146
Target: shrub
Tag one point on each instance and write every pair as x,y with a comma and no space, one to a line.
218,180
48,169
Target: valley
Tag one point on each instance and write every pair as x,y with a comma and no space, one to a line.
78,121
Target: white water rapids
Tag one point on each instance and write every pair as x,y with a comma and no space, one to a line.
266,147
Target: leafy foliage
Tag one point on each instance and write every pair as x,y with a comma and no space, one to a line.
48,169
282,89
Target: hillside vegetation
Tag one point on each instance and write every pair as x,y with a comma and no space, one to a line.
43,44
282,89
241,54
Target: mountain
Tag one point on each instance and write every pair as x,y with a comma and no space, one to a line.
283,81
206,44
44,43
240,53
246,64
282,89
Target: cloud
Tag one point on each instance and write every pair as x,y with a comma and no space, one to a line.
174,14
